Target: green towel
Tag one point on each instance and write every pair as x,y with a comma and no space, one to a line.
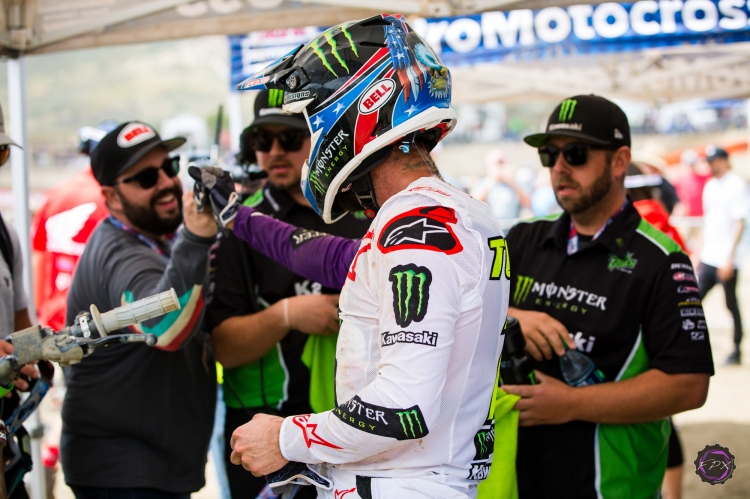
502,483
319,356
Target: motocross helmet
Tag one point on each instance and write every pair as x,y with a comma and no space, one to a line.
363,86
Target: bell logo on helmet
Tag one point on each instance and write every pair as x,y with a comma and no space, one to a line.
376,96
135,133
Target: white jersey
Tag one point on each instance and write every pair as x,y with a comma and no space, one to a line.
418,351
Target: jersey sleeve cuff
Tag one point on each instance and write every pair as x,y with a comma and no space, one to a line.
291,443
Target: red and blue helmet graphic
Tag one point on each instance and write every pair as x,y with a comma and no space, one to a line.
362,85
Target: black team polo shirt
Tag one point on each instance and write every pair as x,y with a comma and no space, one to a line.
631,301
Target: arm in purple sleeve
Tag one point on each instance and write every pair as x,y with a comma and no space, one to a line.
323,259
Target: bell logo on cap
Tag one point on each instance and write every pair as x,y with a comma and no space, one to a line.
134,133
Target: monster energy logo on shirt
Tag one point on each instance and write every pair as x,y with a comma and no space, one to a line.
523,286
411,293
567,108
484,445
401,424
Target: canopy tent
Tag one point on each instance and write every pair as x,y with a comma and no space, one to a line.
549,52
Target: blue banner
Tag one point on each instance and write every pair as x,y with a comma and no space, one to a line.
553,32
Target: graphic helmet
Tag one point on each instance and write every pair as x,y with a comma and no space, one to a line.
362,86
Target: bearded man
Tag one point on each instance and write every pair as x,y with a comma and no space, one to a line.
137,420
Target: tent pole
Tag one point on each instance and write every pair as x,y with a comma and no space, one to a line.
234,113
22,222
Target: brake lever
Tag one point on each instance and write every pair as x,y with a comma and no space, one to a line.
92,343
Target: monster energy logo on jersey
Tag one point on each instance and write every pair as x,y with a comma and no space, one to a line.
484,445
523,286
401,424
411,293
567,108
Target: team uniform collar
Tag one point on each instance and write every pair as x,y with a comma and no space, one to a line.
616,236
280,201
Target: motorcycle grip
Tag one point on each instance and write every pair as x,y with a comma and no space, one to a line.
138,311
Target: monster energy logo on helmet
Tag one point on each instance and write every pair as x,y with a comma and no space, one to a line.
567,108
523,286
411,293
275,97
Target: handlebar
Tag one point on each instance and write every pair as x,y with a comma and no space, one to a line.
132,313
88,331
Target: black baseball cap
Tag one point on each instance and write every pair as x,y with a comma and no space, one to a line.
587,117
268,111
715,152
125,146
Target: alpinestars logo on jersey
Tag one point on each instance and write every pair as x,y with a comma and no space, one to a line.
411,293
484,445
424,228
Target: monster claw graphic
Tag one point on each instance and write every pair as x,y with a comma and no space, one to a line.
319,53
332,43
349,37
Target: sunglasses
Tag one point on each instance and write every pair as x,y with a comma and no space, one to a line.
4,153
148,177
574,154
290,140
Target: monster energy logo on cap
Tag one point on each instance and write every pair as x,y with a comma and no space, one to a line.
411,423
275,97
411,293
567,108
523,286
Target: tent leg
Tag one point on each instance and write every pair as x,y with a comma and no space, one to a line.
22,222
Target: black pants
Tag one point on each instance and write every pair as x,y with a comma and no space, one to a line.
94,493
242,483
707,279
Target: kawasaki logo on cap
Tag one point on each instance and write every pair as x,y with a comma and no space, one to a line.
411,293
567,108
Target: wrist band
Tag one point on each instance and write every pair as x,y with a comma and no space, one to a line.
286,312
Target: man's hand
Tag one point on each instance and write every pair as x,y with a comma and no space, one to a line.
726,272
314,314
219,187
255,445
549,402
29,370
200,224
544,335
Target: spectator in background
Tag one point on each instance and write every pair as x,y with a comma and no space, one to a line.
499,189
14,313
725,207
689,186
643,189
67,216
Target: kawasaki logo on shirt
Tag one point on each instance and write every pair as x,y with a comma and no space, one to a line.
401,424
626,264
551,294
411,293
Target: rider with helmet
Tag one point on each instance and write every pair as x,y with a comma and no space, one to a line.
425,298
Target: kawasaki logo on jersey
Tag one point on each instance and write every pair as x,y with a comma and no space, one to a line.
411,293
401,424
425,228
626,264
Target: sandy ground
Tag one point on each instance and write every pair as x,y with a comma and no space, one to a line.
724,419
